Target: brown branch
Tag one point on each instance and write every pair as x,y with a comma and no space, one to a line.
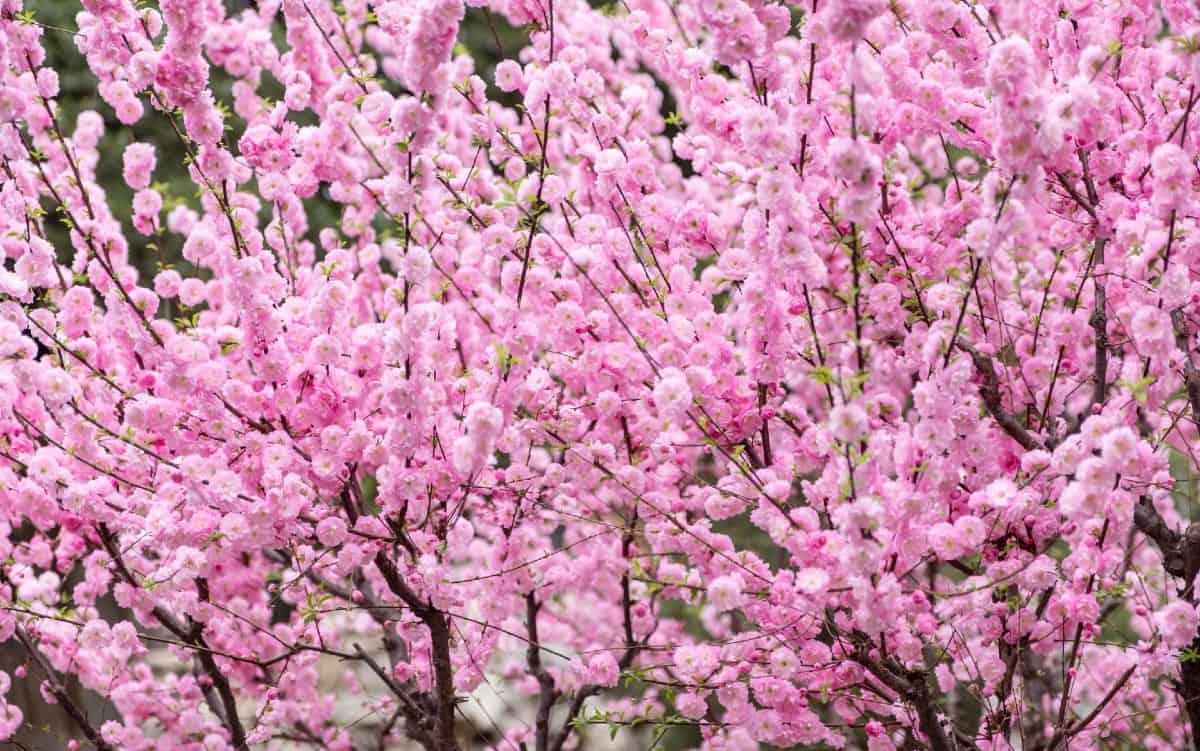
1191,376
1169,542
220,681
989,391
913,687
60,693
1065,735
962,310
191,633
1099,323
632,646
549,694
417,725
439,639
1181,559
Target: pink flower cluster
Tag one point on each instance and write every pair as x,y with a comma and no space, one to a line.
815,375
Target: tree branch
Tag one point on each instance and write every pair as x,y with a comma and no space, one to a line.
989,391
60,693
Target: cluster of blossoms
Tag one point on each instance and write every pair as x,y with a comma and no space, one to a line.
815,374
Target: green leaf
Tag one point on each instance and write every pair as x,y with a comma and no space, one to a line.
821,374
1140,387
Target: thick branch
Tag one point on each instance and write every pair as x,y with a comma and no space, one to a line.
439,639
192,634
1181,559
989,391
218,677
417,721
1099,323
1191,376
914,689
60,693
1150,523
533,656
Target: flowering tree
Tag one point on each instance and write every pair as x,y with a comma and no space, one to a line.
809,375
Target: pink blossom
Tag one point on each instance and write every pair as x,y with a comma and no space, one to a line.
1177,623
139,163
725,592
848,19
508,75
672,394
848,422
331,531
602,670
